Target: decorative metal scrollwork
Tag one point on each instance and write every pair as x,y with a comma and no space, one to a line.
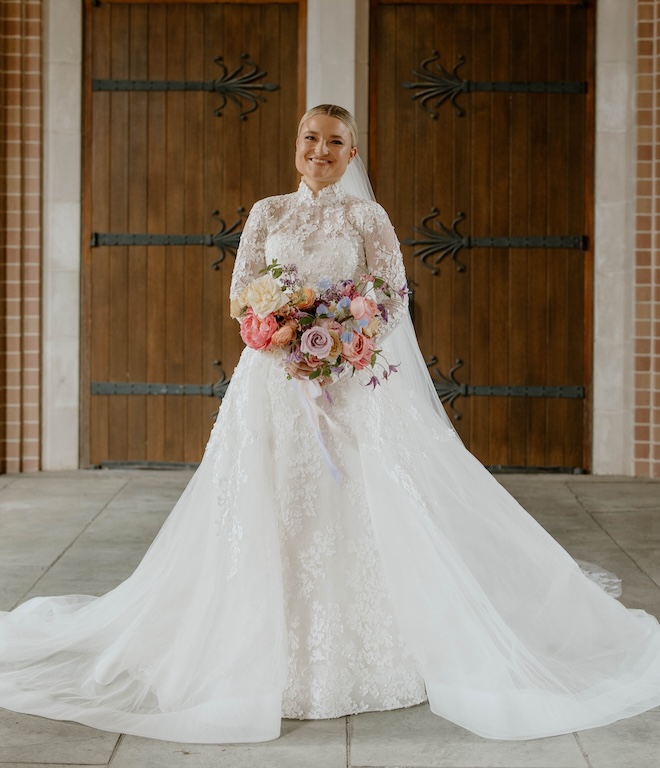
437,83
442,85
226,240
448,242
237,85
448,388
220,386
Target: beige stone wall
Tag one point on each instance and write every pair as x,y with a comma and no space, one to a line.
647,243
20,232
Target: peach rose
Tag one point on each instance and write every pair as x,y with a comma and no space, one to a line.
257,332
283,335
363,308
337,346
372,329
359,351
306,298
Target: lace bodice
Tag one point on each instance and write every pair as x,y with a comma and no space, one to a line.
331,235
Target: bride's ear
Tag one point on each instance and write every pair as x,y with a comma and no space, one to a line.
353,154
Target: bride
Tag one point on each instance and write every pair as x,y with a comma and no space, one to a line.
335,558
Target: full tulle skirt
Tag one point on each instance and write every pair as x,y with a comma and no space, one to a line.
278,587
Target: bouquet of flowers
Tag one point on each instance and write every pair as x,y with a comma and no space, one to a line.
328,329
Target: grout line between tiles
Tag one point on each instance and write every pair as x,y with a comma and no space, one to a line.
585,754
114,751
349,729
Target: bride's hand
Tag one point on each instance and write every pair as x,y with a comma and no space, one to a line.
299,370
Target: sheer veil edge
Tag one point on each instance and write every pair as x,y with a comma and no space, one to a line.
403,349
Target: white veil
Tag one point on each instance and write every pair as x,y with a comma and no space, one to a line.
402,346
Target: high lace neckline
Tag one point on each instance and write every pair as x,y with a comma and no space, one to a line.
330,194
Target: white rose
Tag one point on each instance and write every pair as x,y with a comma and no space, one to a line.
237,304
265,295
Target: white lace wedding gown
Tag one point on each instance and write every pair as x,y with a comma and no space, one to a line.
274,590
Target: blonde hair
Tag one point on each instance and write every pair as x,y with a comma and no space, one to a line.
332,110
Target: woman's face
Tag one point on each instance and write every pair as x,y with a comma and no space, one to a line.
323,151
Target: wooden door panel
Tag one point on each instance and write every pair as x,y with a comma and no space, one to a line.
160,162
515,162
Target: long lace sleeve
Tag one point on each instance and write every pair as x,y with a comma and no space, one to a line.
250,257
384,259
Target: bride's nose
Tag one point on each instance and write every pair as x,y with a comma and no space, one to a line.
321,148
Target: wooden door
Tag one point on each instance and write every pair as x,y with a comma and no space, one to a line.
191,109
481,150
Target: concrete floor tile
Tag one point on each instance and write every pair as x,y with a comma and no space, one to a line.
303,744
28,739
416,737
632,528
631,743
15,582
7,480
619,496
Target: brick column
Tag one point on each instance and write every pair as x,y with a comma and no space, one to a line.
20,233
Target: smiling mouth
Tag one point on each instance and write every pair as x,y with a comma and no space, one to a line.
319,161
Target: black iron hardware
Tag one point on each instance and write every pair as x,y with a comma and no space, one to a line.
236,85
441,85
449,241
219,389
449,389
226,240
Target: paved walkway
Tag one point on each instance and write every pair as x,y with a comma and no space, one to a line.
86,531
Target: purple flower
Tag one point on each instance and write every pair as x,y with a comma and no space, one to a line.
295,356
373,382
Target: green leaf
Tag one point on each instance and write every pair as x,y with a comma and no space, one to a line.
315,374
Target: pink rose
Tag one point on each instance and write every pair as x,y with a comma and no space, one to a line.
359,351
255,332
363,308
316,341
